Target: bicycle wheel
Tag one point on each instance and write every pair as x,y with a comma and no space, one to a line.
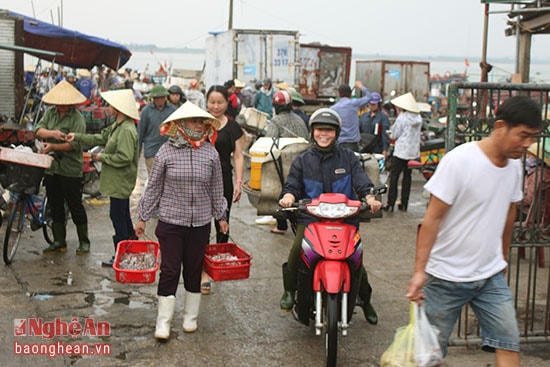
47,220
14,230
331,342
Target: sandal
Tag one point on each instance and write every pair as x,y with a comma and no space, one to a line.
278,231
206,287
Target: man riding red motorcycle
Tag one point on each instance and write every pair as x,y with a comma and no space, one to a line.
325,168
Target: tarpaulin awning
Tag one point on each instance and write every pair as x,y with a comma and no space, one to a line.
79,50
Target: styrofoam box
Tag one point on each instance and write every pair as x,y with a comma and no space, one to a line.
26,158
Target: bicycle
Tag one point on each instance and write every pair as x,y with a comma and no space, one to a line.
33,207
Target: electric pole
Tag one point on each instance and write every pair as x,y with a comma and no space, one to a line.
230,24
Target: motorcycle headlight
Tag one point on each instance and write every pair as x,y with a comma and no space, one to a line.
332,211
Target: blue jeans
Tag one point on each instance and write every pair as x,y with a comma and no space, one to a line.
491,301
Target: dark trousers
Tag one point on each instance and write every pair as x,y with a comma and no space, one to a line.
228,195
355,147
119,213
399,165
181,246
61,190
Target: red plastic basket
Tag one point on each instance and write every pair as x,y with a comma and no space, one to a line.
136,247
220,270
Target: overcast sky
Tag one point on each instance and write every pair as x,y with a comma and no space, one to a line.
388,27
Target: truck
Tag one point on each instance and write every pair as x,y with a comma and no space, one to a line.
323,69
250,55
392,78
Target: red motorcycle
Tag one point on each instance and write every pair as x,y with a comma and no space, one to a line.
330,271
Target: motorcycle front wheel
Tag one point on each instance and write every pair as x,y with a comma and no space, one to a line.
331,341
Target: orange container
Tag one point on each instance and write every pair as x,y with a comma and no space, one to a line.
136,247
231,269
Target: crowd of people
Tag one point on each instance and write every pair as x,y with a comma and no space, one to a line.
194,153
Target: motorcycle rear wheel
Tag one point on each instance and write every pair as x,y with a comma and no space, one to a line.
331,341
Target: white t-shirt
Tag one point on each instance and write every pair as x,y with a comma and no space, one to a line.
468,246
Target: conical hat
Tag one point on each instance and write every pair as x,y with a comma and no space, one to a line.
185,111
239,84
63,94
122,100
84,73
406,102
538,151
282,86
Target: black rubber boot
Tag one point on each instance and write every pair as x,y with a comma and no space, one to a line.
59,234
84,241
365,292
289,282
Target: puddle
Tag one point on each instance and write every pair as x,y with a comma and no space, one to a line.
42,297
132,304
137,304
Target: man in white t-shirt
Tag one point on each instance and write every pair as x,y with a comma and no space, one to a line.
463,243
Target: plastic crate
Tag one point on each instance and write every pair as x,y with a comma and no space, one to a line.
220,270
136,247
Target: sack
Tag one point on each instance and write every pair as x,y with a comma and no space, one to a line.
368,142
414,345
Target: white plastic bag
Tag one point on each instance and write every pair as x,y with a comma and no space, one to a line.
427,351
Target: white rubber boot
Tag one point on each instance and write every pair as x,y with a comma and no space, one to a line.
191,304
166,306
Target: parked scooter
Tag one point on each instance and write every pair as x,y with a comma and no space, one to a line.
330,271
431,152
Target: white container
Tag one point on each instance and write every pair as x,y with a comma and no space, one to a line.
260,152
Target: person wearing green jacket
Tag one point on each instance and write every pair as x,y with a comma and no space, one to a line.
119,161
63,180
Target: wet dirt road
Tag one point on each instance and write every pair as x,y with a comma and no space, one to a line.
240,323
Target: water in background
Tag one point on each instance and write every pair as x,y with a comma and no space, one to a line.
142,60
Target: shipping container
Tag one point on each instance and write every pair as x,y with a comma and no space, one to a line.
251,55
322,70
399,77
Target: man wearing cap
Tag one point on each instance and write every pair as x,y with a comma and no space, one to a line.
194,95
348,109
152,116
297,102
63,180
176,96
375,122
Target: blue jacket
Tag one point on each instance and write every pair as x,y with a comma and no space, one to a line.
313,173
348,109
149,128
367,124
